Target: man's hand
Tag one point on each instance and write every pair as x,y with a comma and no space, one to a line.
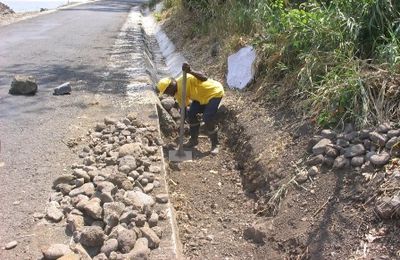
186,67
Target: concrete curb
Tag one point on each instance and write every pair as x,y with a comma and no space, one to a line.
142,66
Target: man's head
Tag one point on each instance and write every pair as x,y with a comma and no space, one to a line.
167,86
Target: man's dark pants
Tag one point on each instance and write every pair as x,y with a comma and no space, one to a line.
209,117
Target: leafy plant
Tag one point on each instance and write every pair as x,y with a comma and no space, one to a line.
324,43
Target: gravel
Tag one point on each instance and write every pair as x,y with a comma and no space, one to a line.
110,200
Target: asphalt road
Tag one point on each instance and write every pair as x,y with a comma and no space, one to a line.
73,44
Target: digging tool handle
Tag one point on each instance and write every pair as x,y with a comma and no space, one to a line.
183,110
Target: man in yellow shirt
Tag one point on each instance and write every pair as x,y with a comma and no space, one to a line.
203,95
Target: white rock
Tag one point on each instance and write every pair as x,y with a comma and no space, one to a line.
241,67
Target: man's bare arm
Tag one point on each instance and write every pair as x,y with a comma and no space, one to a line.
200,76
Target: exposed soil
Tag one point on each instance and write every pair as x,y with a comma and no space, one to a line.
250,182
5,10
8,16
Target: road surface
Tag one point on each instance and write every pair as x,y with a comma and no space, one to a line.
72,44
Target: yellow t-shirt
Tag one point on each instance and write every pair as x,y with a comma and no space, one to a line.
197,90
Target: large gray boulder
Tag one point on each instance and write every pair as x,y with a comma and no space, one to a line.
23,85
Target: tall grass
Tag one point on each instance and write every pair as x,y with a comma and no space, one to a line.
328,45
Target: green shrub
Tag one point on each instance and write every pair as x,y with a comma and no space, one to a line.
322,42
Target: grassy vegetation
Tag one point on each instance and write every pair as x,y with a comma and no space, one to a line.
340,58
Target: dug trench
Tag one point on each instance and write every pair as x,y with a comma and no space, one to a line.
219,199
248,203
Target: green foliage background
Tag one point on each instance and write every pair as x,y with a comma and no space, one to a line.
327,45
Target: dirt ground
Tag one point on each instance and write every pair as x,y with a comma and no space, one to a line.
264,145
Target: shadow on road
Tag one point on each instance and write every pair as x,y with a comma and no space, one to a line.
83,78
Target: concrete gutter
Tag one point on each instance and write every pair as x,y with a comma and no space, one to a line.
142,61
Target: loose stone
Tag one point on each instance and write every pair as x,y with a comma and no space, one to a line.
93,208
109,246
313,171
11,245
380,159
315,160
56,251
340,163
92,236
110,121
53,212
357,161
126,240
86,189
377,138
343,143
354,150
64,178
140,250
151,236
329,134
162,198
302,177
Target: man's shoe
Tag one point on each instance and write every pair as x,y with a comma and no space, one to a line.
191,143
214,150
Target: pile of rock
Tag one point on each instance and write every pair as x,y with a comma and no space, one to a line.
110,202
365,149
171,107
168,115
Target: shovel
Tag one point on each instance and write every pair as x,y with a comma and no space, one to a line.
180,154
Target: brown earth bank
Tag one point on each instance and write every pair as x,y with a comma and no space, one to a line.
5,10
8,16
246,203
